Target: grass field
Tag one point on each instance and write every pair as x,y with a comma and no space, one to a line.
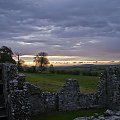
53,82
68,115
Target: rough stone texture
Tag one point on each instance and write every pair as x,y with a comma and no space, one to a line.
15,93
108,115
108,91
70,98
23,98
40,101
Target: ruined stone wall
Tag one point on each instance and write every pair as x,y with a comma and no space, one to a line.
41,101
67,99
70,98
23,98
15,93
108,90
113,88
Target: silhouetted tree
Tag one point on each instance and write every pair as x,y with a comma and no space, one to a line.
41,60
6,55
19,61
36,60
5,49
51,69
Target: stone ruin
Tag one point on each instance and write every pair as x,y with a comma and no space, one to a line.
21,99
15,105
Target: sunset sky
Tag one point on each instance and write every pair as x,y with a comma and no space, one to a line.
85,28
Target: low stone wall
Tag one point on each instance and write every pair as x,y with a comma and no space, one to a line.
70,97
67,99
108,90
41,101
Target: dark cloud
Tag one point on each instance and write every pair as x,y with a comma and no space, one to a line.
89,28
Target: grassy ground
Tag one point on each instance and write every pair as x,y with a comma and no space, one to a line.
68,115
53,82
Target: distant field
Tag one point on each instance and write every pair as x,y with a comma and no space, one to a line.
53,82
68,115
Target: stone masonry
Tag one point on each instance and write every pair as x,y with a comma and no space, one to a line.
23,98
15,93
70,98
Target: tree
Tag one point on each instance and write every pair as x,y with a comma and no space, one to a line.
41,60
20,62
6,55
51,69
36,60
5,49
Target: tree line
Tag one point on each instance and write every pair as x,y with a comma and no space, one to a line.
41,61
6,56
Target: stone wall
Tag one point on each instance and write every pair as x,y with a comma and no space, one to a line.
67,99
23,98
15,93
41,101
108,90
70,98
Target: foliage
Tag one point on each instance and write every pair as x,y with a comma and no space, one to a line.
72,72
80,70
19,62
90,73
36,60
41,60
5,49
31,69
76,72
51,69
6,55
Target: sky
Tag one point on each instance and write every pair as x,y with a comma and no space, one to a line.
85,28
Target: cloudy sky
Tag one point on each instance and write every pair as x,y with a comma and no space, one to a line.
86,28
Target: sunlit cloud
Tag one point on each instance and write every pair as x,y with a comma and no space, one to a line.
24,43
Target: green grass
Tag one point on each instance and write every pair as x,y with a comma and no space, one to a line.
53,82
68,115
